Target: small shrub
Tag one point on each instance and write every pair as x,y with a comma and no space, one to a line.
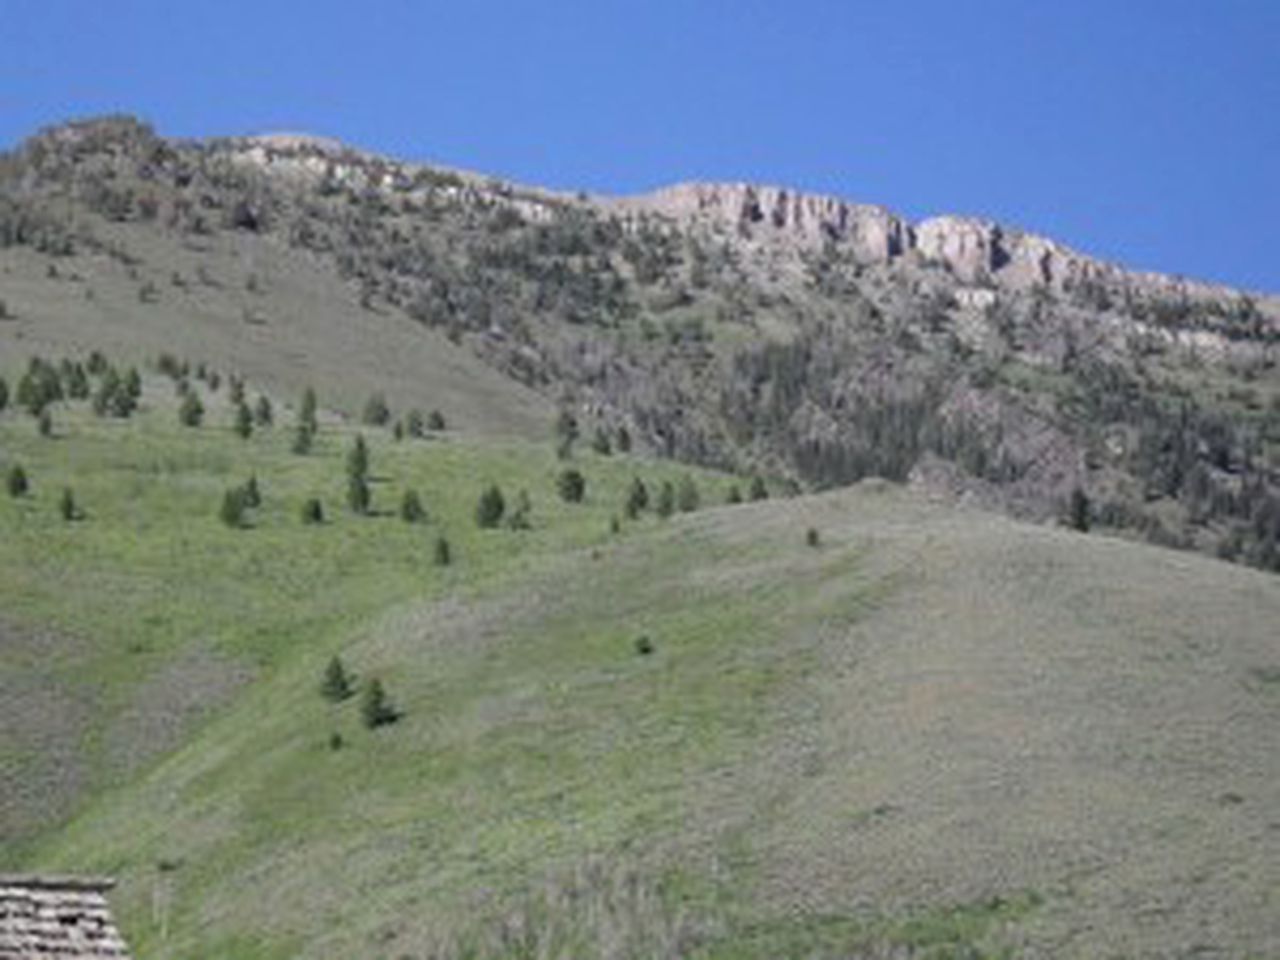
519,518
312,512
4,394
397,431
336,685
336,742
44,423
443,553
435,421
623,442
375,707
734,495
1079,511
307,410
758,489
601,443
302,439
16,482
411,510
191,410
262,411
572,486
644,646
414,423
615,525
811,537
67,505
491,507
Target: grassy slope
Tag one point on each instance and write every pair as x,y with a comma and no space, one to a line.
932,709
306,329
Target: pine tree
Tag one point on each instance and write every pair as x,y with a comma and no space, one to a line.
1078,511
252,495
312,512
67,505
375,709
262,412
734,496
336,685
302,437
236,393
358,458
637,498
191,410
566,434
601,443
758,490
415,425
4,394
307,411
411,510
358,495
443,553
624,440
244,422
666,499
376,411
435,421
16,482
571,485
233,506
133,383
812,538
687,499
490,508
44,423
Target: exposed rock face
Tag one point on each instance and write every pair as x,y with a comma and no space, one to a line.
978,251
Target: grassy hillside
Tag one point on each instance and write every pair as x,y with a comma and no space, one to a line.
934,731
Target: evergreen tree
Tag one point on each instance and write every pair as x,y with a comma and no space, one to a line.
443,554
375,709
491,507
571,485
77,383
601,443
312,512
252,495
637,498
44,423
566,434
519,519
358,458
16,482
133,383
397,431
435,421
758,490
414,423
236,393
4,394
191,410
688,498
666,499
67,505
336,684
1078,511
376,411
262,412
302,437
307,411
734,496
811,537
358,495
244,422
233,506
411,510
624,440
97,363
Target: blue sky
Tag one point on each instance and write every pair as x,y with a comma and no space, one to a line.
1145,132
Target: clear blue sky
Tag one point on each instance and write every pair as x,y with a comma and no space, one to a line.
1145,131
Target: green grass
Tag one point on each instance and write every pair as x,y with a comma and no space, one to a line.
882,741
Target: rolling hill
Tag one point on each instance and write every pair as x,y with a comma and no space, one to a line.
781,708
